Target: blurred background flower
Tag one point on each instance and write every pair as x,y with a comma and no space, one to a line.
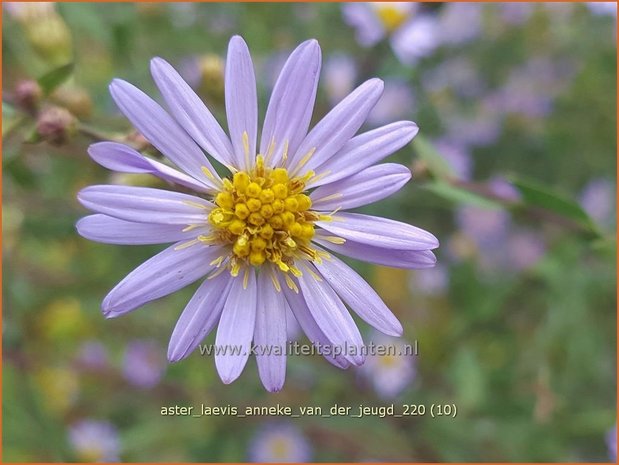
279,443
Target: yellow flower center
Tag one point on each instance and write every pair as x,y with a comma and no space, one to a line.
391,16
264,216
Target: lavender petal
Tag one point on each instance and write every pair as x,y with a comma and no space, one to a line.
409,259
166,272
368,186
338,126
359,296
191,112
292,101
332,318
162,131
364,150
379,232
199,317
145,204
110,230
304,317
236,328
241,102
124,159
270,334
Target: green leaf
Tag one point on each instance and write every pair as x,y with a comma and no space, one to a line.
437,165
537,195
460,196
55,78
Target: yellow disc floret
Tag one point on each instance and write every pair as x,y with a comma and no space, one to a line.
264,216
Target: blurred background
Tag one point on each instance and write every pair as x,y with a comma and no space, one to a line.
513,170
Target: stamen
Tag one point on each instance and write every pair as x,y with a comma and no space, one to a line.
186,244
246,148
274,279
270,150
196,205
291,284
246,278
191,227
337,195
303,161
312,273
334,239
285,153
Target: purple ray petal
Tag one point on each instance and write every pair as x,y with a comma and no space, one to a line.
166,272
161,130
340,124
241,101
364,150
199,317
145,204
122,158
270,334
359,296
304,317
332,317
410,259
109,230
368,186
292,101
236,328
379,232
191,112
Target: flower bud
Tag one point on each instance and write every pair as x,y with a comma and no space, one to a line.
211,69
136,140
27,94
75,99
56,125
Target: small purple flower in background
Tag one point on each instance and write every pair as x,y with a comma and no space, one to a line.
458,158
531,88
457,74
416,39
434,281
340,74
598,198
524,250
396,102
484,226
479,129
603,8
515,13
259,235
460,22
95,441
412,35
611,443
93,355
279,443
143,365
389,374
373,21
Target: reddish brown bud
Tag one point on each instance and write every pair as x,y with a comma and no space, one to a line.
56,125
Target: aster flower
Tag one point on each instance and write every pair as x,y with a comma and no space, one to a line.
412,35
143,365
260,234
95,441
279,443
391,372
